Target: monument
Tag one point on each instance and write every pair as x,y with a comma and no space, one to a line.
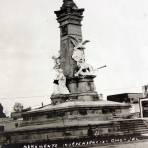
76,116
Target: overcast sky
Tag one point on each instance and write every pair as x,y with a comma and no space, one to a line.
29,36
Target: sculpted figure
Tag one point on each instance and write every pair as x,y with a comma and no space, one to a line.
84,69
60,83
78,52
78,55
60,80
56,61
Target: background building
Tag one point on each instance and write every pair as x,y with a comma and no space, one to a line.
130,98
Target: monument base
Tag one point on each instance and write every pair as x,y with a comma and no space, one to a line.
86,96
94,134
81,84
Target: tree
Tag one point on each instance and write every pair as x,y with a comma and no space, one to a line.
2,115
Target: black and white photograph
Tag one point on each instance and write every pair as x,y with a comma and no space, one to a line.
73,73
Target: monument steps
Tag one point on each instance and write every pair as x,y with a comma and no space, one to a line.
131,126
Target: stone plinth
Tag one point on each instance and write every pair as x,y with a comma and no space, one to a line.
81,85
87,96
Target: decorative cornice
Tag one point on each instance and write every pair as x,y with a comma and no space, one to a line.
69,8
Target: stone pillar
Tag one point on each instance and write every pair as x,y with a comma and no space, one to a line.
69,18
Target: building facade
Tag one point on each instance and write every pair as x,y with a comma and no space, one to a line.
129,98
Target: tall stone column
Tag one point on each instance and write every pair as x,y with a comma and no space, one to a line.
69,18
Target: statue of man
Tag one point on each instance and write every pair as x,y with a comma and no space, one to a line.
60,83
60,80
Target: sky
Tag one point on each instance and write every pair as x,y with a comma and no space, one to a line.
29,37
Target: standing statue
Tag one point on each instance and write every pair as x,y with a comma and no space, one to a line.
60,83
60,80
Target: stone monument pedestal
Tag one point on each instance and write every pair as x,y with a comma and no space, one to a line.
81,89
81,84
